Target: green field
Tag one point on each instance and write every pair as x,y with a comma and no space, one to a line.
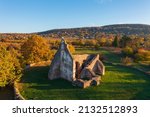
110,56
118,83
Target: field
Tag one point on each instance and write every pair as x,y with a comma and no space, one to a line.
119,83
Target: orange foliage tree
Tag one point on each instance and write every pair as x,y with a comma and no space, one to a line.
10,68
36,49
71,48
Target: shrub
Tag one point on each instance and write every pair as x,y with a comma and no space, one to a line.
127,51
97,46
142,55
126,60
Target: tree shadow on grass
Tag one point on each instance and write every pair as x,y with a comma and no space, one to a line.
107,91
132,86
7,93
54,84
39,76
134,82
136,74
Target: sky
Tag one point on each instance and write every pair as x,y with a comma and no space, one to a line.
27,16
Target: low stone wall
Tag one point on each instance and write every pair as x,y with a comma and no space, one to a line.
95,81
82,84
18,96
38,64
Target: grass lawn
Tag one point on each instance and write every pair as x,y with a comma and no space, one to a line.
118,83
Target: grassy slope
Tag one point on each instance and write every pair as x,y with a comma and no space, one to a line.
118,83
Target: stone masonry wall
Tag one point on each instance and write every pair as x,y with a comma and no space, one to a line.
62,64
80,58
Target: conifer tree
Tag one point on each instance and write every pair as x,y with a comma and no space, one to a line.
115,42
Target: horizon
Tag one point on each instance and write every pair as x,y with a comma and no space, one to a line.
32,16
67,28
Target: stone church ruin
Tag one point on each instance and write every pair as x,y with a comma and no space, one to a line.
82,70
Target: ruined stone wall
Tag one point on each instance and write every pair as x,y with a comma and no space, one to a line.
74,71
76,68
62,64
80,58
93,63
97,66
66,65
102,67
54,71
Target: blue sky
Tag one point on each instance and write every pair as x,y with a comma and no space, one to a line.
40,15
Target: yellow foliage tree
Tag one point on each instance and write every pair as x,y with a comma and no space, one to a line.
142,55
36,49
10,68
71,48
101,41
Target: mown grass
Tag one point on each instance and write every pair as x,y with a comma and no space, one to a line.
119,83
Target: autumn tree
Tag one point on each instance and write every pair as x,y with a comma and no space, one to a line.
142,55
128,51
71,48
90,42
137,43
54,44
147,43
36,49
109,42
102,41
10,68
125,41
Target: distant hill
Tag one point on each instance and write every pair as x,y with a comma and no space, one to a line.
108,31
91,32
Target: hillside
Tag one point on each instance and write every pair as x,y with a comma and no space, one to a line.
92,32
86,32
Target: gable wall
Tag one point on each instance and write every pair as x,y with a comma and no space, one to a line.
66,65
